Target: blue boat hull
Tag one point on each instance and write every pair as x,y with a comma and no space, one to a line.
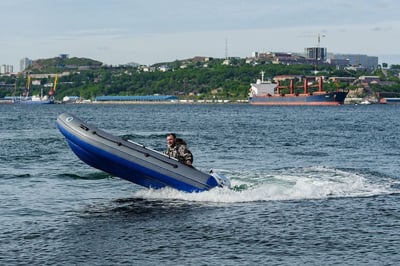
132,161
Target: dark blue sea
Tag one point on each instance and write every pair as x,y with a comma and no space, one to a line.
321,186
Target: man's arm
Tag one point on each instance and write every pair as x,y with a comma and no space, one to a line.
186,154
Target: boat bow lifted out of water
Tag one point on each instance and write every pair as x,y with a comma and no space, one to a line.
132,161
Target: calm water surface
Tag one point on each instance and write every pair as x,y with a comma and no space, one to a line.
323,188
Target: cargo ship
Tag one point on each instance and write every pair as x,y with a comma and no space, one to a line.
268,93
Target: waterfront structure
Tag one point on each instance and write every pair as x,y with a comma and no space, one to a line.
357,60
138,99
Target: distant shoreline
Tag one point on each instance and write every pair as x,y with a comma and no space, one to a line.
160,102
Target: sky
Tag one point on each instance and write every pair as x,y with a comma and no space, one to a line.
152,31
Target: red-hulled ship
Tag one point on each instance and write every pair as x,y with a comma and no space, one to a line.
267,93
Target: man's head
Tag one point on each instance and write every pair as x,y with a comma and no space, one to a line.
171,139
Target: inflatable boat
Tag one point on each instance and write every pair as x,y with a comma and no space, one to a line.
132,161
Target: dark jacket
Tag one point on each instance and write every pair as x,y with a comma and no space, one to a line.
180,151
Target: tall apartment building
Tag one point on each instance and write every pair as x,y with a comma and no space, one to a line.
5,69
24,63
316,53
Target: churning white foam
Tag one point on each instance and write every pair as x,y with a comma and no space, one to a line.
283,184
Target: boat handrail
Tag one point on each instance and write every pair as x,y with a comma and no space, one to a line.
150,149
120,143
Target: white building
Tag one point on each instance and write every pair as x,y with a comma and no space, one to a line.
358,60
5,69
24,63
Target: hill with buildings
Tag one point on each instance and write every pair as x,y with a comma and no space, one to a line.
194,78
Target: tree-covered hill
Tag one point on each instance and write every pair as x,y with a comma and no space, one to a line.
54,65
